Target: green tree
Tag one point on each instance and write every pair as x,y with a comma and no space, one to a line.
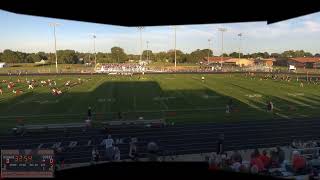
118,55
31,58
181,58
161,56
67,56
236,55
275,55
198,55
147,54
9,56
43,55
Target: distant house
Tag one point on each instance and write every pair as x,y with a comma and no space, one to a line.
42,62
2,64
242,62
264,62
305,62
213,60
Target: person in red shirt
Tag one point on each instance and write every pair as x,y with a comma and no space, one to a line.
255,161
298,162
265,159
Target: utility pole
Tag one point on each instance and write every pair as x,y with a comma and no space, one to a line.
94,49
208,50
140,29
55,42
222,30
175,47
240,34
147,50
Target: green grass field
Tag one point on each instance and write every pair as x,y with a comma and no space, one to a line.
178,98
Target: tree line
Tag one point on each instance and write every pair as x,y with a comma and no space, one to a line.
118,55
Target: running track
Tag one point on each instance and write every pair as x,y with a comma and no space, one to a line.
177,139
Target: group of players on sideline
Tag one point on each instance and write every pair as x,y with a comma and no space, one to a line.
32,84
284,77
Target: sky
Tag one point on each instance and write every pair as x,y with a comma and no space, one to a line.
33,34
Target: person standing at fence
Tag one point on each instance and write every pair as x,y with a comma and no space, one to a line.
269,106
119,115
220,144
89,113
132,149
95,155
109,148
116,154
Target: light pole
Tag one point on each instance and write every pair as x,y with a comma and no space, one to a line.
240,34
222,30
147,50
55,42
208,50
140,29
175,47
94,49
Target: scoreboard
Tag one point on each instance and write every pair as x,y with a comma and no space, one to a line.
38,163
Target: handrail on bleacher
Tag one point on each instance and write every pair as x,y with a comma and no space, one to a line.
38,127
150,122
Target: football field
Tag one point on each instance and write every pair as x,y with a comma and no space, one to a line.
176,97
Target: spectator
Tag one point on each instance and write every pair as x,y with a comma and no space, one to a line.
265,159
281,155
270,106
220,144
255,161
213,163
236,157
298,162
274,160
133,150
109,147
254,169
236,166
256,153
228,109
89,113
119,115
153,148
230,104
95,155
116,156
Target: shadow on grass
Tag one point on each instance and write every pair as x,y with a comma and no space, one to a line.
141,99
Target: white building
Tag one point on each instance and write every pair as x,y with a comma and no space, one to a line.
2,64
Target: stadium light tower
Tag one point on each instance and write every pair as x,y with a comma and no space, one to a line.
147,50
208,50
222,30
240,35
94,49
55,42
140,28
175,47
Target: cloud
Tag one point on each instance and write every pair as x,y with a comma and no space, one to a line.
312,26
